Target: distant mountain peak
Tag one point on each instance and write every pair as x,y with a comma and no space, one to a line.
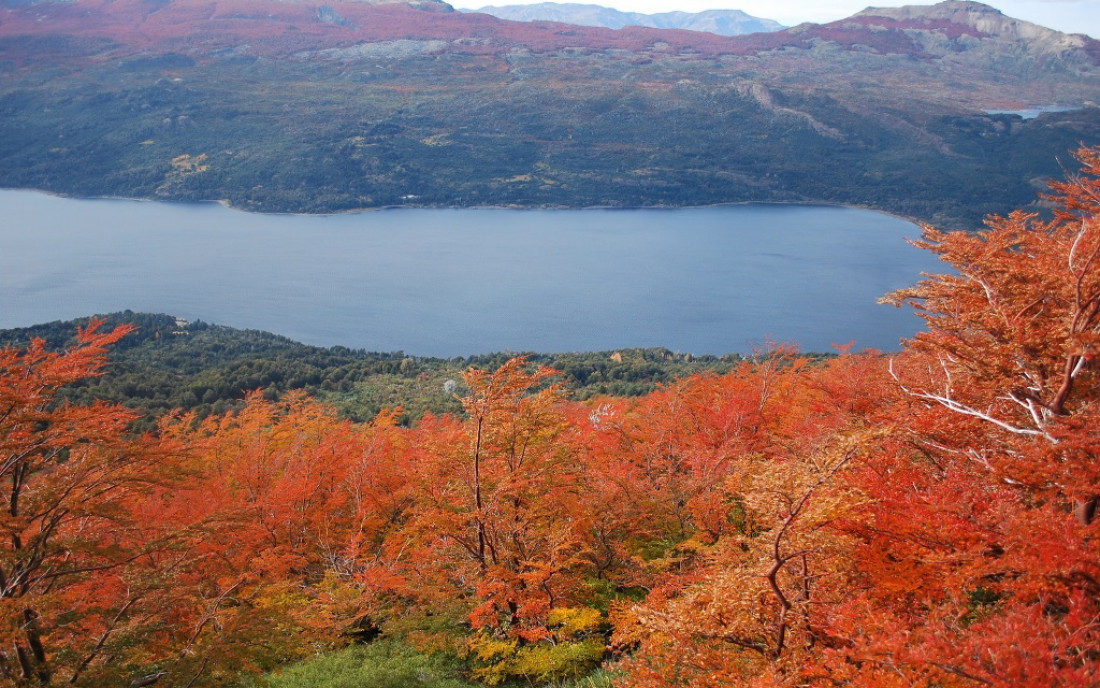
434,5
721,22
965,18
976,15
940,10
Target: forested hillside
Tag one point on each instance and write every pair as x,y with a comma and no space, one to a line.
290,106
921,519
168,364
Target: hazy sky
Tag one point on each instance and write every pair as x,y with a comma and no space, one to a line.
1075,16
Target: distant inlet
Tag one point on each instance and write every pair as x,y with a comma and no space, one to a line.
458,282
1032,113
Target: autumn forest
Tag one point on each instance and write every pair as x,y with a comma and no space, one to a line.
924,518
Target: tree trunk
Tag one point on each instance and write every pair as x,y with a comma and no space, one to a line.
1085,509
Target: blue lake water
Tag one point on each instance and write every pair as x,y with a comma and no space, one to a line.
457,282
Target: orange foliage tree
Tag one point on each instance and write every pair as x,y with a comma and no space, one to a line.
501,521
750,606
78,557
981,554
291,508
184,559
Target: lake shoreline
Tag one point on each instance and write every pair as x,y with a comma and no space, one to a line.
226,203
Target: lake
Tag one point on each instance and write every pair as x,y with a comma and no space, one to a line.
1033,112
458,282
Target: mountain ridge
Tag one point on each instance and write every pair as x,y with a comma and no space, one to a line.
957,26
984,19
721,22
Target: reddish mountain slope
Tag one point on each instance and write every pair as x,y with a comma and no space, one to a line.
276,28
282,28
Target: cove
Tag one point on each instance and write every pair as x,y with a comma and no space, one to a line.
459,282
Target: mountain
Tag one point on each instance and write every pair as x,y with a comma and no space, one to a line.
722,22
973,22
302,107
982,18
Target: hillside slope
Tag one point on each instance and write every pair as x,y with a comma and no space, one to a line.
279,106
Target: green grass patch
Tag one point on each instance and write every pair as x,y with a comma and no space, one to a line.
384,664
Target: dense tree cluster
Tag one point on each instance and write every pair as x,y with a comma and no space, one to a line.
923,519
169,364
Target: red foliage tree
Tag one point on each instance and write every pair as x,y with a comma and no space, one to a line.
500,498
769,560
78,557
290,508
980,556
